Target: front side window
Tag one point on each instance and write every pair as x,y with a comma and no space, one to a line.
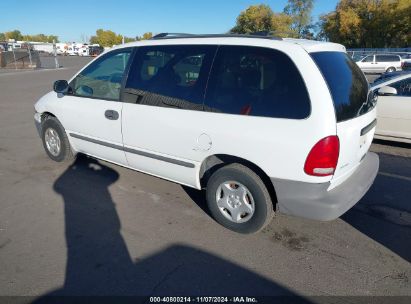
403,87
256,81
170,76
368,59
102,79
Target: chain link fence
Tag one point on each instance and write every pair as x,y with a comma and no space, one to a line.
28,55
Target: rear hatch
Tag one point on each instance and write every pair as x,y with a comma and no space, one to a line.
354,106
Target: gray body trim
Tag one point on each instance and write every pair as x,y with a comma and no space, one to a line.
368,128
313,201
134,151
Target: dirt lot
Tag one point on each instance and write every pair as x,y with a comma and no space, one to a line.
98,229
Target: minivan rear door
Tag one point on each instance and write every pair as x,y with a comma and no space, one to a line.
162,110
354,109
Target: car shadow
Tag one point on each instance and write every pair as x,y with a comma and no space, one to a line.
392,143
384,213
198,197
99,263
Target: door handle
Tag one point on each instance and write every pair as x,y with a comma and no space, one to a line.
111,115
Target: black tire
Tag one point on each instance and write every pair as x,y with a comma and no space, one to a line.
391,69
65,154
263,206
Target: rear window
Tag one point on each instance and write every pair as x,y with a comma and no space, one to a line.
346,82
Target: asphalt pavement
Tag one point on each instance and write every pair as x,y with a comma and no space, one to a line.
93,228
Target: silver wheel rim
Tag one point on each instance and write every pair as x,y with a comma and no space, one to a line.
235,201
53,143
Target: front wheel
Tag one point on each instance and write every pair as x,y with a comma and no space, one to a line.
55,140
238,199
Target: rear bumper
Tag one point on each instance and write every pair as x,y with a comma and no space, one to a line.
313,201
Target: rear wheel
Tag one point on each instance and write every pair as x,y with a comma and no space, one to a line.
238,199
55,140
391,69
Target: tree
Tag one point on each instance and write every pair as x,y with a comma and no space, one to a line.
128,39
40,38
16,35
106,38
256,18
300,13
2,37
368,23
145,36
281,25
261,18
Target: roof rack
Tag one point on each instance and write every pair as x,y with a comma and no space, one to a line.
260,35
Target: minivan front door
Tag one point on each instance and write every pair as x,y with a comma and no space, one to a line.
91,112
162,111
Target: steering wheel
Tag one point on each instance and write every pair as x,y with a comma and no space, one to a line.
113,81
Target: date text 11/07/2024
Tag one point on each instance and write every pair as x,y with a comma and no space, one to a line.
203,300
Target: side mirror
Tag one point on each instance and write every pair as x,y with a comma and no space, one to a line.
61,86
387,91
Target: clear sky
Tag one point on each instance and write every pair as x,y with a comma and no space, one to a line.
71,20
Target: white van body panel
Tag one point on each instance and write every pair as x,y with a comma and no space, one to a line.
85,117
394,114
175,132
174,143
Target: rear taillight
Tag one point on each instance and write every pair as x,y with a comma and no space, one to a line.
323,157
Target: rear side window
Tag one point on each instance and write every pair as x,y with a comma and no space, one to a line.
256,81
170,76
346,82
387,58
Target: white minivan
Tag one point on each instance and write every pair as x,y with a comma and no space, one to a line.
265,125
381,63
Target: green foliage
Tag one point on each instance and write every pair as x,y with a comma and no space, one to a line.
17,35
106,38
41,38
256,18
293,22
145,36
300,13
129,39
369,23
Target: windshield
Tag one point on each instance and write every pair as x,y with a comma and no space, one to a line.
347,84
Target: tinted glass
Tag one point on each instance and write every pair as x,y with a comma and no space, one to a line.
346,82
403,87
102,79
369,59
387,58
258,82
170,76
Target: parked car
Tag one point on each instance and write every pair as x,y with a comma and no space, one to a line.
406,57
387,75
95,50
394,108
380,63
406,66
262,124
